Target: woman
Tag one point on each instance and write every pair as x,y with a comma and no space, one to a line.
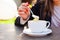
45,9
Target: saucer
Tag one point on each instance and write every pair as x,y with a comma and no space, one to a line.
43,33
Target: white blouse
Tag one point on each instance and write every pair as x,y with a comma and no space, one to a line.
56,16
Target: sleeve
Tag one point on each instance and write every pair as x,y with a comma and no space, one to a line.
20,22
23,21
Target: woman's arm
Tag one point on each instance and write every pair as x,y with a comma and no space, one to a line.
18,20
24,13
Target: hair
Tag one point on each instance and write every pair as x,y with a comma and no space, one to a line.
48,7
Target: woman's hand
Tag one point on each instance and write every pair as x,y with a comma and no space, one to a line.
24,11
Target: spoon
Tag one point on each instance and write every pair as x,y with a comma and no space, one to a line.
36,17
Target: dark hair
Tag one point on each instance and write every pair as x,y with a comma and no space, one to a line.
48,7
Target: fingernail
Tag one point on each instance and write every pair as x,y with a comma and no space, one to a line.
27,3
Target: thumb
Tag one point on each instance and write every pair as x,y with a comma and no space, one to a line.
27,4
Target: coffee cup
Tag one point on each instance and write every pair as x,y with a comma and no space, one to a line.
38,26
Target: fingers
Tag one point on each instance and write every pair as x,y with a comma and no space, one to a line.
23,15
24,10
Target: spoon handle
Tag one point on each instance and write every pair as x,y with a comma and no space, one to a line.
33,14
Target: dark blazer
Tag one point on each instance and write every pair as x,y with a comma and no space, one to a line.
37,10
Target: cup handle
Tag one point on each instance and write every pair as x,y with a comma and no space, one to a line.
48,24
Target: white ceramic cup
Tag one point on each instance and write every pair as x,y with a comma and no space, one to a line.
38,26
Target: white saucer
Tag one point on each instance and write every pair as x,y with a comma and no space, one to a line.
43,33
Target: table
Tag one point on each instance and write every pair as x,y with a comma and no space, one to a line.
9,31
12,32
